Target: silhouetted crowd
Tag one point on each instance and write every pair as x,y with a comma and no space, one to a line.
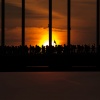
57,49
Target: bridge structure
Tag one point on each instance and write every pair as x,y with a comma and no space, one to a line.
54,62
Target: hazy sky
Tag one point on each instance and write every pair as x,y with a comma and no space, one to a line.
83,21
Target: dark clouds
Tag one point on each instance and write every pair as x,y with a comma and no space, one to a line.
13,15
80,11
83,16
13,11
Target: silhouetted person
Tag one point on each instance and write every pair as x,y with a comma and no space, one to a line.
43,49
93,49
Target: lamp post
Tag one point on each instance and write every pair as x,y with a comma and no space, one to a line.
23,22
97,42
3,22
68,26
50,22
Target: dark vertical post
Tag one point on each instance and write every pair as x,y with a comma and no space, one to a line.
23,22
50,22
3,22
68,38
97,41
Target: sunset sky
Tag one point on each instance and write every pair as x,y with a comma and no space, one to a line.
83,22
50,85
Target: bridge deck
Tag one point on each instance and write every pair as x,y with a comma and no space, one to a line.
53,63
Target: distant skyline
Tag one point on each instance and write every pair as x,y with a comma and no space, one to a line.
83,22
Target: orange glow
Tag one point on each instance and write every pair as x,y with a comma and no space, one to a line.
45,39
47,43
40,36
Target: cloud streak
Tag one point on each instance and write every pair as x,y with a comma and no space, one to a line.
83,17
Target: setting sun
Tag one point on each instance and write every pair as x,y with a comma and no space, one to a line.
47,43
45,39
